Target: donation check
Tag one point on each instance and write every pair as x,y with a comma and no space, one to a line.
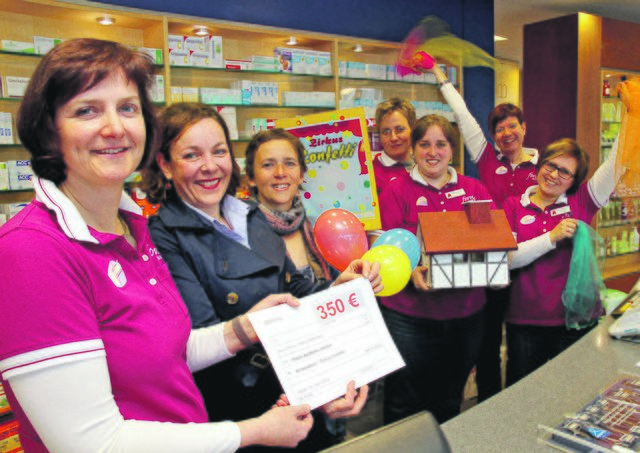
335,336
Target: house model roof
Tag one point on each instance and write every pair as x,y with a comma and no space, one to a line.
451,232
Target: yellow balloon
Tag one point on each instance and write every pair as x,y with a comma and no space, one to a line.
395,267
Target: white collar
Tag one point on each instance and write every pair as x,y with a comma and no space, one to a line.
525,199
67,215
530,151
417,176
230,208
387,161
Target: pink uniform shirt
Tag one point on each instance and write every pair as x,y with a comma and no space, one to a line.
400,204
503,181
384,174
536,289
494,169
72,293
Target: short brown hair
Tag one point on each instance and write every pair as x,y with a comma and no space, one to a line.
501,112
71,68
269,135
567,147
423,124
174,121
395,105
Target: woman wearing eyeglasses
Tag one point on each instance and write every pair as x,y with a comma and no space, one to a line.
543,220
394,119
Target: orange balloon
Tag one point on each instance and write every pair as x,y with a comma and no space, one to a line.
340,237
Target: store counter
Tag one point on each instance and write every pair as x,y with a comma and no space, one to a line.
509,421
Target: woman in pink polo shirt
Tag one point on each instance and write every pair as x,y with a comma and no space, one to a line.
96,345
544,220
437,332
394,119
507,169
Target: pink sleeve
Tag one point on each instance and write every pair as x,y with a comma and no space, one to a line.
71,406
45,301
391,206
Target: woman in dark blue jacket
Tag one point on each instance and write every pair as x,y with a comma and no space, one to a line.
224,258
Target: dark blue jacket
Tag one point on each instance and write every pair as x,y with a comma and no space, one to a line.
218,277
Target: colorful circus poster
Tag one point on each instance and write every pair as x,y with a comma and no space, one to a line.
339,166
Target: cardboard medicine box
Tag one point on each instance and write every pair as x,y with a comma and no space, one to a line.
6,128
195,43
43,44
189,94
285,59
4,176
324,63
15,87
176,42
157,89
155,54
176,94
9,45
179,57
20,174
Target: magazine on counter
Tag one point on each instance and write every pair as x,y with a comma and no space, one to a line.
608,423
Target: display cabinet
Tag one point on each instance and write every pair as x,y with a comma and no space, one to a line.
618,222
564,96
244,43
21,20
330,83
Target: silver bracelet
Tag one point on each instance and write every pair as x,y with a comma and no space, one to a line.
240,333
444,82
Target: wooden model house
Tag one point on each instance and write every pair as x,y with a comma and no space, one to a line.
466,248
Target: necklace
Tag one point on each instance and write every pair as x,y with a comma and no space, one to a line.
126,232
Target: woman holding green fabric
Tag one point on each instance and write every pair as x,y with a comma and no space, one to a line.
543,220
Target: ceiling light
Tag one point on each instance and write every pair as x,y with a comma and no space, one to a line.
497,38
201,30
292,41
358,48
106,20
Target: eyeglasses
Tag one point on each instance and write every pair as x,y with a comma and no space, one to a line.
399,130
562,172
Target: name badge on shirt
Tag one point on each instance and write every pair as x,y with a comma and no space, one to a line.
560,211
527,220
422,201
454,194
116,274
501,170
